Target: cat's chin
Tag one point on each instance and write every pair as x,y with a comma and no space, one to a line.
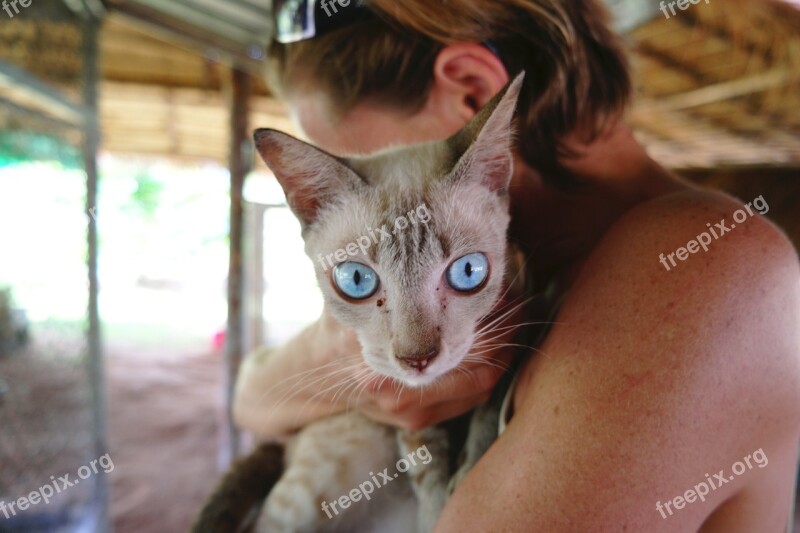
414,380
419,381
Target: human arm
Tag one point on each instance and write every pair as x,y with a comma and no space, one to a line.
273,398
280,390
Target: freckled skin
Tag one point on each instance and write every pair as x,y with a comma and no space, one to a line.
644,387
660,409
701,381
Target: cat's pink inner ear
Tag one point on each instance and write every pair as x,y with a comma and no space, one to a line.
299,168
497,172
489,155
490,158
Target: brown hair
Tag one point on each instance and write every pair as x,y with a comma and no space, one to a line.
576,73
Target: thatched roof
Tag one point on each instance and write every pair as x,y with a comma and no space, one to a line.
717,86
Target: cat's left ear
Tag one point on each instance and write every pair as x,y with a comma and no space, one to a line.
310,177
486,141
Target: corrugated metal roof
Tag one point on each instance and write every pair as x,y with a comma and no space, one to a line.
239,28
242,27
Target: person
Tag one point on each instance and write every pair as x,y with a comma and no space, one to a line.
654,379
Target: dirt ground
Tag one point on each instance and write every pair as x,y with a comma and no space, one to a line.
162,415
163,438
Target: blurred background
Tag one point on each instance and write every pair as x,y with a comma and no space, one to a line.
143,250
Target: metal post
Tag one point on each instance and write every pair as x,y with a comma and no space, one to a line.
240,162
91,144
254,276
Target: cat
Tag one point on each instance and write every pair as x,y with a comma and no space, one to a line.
415,300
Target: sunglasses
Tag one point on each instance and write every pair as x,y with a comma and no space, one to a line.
298,20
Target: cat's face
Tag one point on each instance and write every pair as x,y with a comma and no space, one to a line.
408,245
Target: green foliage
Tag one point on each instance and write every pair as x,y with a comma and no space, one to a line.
147,193
21,147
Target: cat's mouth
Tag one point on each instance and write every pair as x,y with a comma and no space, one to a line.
416,374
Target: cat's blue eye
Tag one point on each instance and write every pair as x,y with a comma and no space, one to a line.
468,272
355,280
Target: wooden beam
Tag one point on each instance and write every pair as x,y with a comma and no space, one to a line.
41,95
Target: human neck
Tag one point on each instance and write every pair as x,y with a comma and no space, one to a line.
562,226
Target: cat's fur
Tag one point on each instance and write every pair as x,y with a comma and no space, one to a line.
463,182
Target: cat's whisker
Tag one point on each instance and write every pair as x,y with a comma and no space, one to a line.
477,357
499,308
523,269
302,408
400,390
512,326
353,387
363,382
469,374
371,378
348,380
505,314
501,332
483,341
489,362
293,387
362,372
503,345
490,348
299,376
382,381
322,380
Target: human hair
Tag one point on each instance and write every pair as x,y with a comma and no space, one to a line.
577,77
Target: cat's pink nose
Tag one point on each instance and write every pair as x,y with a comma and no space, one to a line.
418,361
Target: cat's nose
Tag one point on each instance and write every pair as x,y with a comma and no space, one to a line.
418,361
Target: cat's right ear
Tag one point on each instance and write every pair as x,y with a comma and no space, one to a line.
310,177
486,141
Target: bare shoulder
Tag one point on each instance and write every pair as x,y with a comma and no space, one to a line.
654,377
701,285
695,271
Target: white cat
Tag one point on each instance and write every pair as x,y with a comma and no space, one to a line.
415,301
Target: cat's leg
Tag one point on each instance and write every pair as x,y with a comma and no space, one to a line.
481,435
325,461
427,453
